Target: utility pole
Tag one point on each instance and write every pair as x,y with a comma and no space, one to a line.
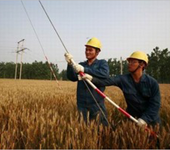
121,66
17,52
22,50
19,49
16,61
21,59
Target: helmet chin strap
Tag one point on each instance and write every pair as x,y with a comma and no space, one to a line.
136,69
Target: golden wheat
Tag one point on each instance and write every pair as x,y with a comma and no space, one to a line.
42,115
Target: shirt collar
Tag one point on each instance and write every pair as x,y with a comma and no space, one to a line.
96,60
143,78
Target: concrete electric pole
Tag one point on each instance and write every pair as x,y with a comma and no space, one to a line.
19,49
121,66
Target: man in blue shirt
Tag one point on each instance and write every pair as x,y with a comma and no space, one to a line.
141,91
97,68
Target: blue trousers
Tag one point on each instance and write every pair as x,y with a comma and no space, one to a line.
93,111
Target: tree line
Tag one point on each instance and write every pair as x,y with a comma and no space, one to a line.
35,70
159,68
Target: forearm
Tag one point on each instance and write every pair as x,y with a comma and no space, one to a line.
71,74
100,73
104,82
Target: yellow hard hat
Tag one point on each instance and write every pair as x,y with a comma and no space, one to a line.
140,56
94,42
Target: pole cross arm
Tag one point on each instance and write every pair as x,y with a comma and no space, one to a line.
21,41
22,50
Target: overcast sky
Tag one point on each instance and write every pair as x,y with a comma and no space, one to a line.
122,27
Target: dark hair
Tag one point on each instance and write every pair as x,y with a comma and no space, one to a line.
141,61
97,49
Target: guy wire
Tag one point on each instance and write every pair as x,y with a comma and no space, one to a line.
51,69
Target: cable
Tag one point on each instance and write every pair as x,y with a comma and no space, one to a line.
96,102
53,26
51,69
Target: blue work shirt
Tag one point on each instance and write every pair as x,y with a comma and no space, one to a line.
143,98
99,69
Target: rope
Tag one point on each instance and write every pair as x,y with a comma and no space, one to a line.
53,26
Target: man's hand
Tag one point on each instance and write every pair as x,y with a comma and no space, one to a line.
87,76
78,68
142,122
68,57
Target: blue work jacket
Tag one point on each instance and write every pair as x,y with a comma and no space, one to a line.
143,98
99,69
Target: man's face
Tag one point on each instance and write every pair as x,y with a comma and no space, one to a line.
90,52
132,64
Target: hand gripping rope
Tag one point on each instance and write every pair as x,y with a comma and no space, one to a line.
93,86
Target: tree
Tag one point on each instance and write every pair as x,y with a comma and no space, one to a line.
115,67
7,70
63,75
153,68
158,67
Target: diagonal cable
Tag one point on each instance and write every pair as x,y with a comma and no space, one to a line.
51,69
96,102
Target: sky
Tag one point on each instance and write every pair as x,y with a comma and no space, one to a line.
122,27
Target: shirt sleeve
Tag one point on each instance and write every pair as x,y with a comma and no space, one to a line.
71,74
116,81
101,72
152,112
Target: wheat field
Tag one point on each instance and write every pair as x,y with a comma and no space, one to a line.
39,114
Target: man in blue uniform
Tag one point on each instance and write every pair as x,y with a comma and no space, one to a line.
141,91
97,68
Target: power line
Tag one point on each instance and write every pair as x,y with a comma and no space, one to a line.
39,42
